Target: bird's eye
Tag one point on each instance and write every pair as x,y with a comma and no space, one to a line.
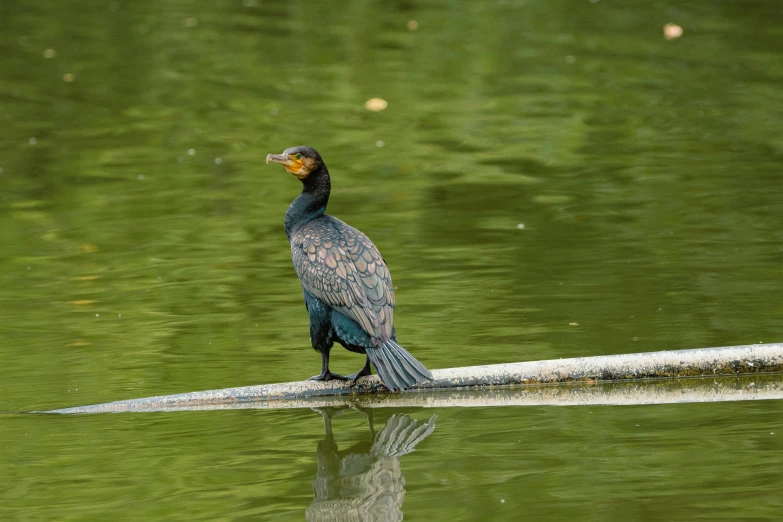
298,156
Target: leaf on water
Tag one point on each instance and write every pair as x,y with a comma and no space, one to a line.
672,31
376,104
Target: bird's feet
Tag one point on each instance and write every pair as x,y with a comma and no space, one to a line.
361,373
328,376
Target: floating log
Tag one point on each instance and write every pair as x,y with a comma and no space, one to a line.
479,385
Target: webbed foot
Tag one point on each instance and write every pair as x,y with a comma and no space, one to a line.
361,373
356,376
328,376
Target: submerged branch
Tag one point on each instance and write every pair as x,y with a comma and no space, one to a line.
478,385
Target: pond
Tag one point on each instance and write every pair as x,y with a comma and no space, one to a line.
548,180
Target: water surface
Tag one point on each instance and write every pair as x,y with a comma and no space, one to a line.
550,179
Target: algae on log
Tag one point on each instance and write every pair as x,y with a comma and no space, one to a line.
713,362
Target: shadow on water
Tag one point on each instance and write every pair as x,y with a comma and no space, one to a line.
364,481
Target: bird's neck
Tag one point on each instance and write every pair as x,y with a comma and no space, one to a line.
311,203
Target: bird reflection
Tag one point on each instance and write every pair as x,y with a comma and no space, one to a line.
364,482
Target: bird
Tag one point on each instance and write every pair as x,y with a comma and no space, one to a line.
347,286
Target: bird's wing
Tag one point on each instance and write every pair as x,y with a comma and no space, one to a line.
340,266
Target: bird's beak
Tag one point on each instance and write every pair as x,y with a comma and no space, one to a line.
279,158
294,166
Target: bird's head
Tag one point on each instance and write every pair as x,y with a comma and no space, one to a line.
299,161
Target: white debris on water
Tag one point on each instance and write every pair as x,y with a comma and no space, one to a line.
672,31
191,152
376,104
33,141
218,161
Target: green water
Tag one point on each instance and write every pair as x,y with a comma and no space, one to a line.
550,179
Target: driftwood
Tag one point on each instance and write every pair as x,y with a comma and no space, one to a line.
634,379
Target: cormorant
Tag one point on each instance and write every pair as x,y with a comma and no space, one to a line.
347,288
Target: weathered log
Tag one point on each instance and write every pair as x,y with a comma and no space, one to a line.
505,384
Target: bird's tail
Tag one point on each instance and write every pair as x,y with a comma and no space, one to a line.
398,369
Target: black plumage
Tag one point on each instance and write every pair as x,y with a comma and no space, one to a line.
347,287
